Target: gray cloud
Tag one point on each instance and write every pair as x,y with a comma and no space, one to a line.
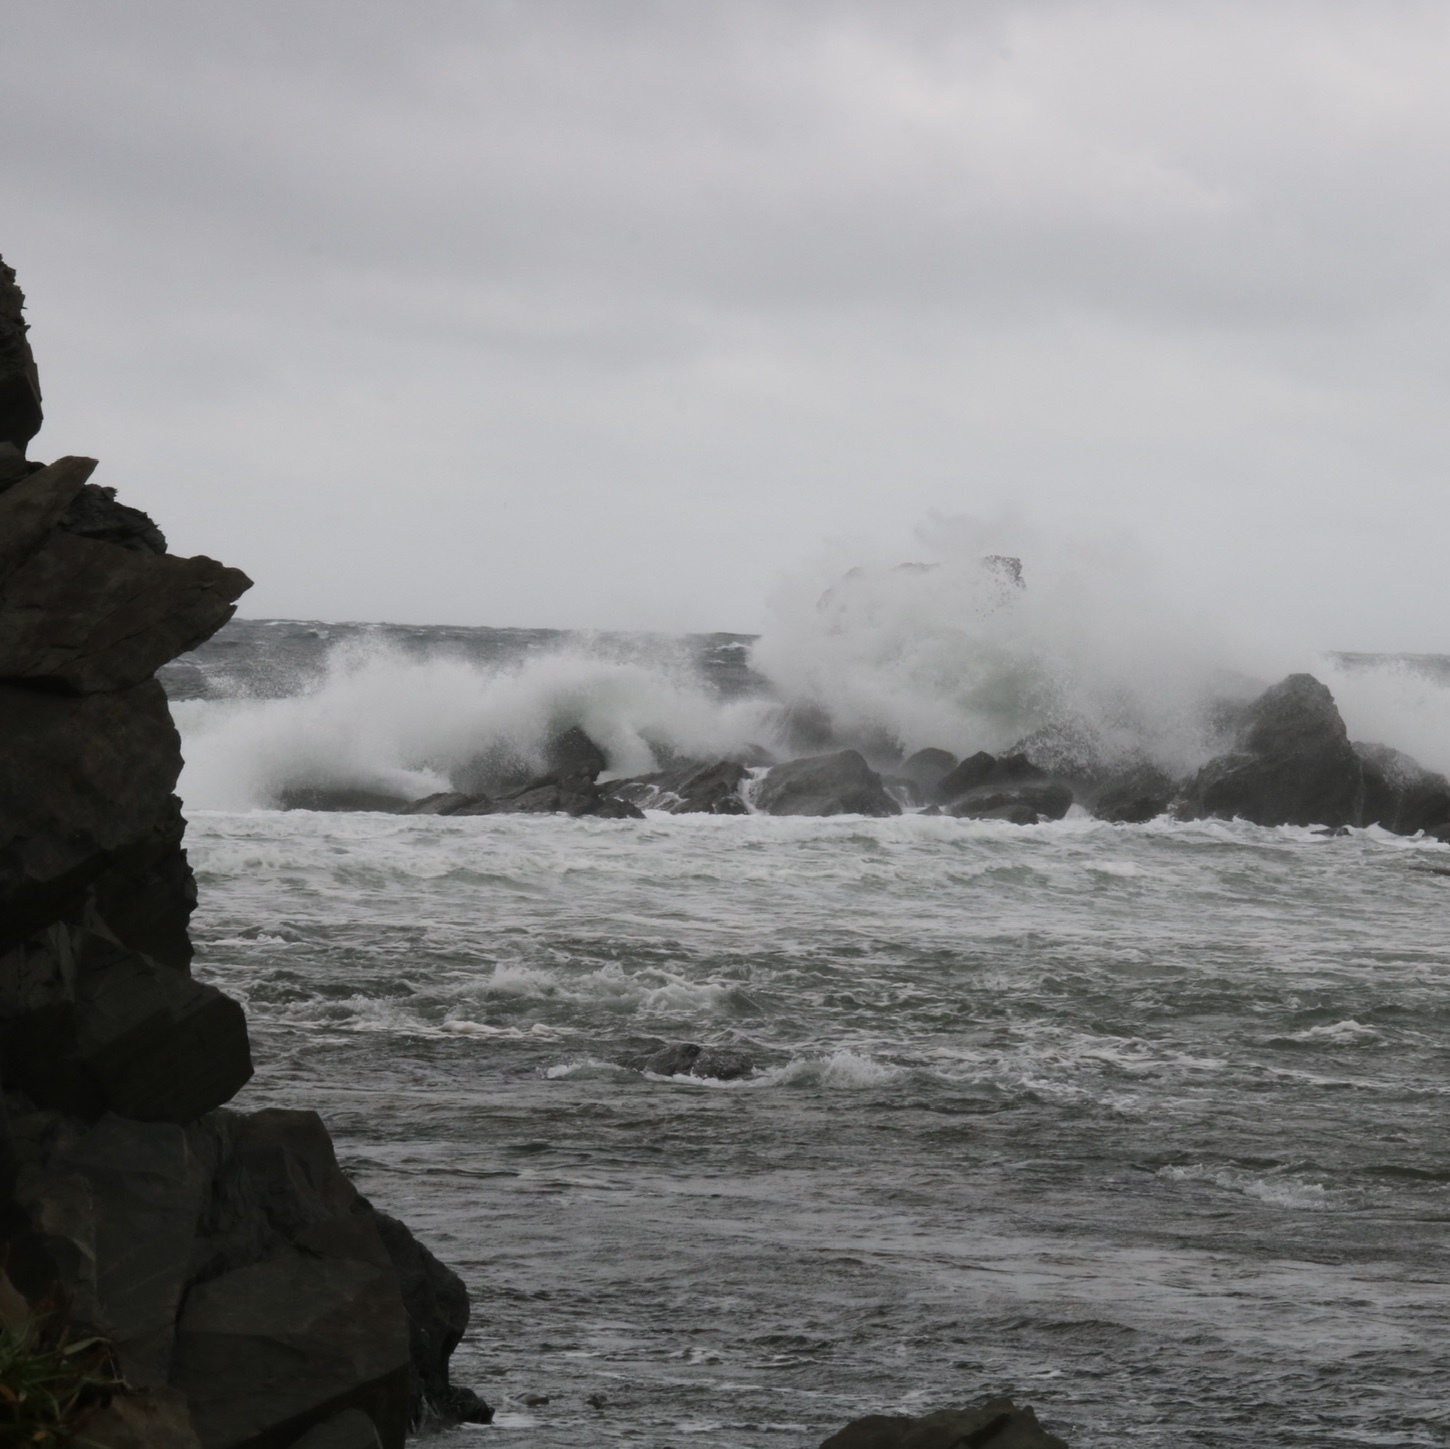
582,314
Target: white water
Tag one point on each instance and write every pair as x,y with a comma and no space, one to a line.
1088,658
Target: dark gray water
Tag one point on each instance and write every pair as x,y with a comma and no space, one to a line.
1144,1125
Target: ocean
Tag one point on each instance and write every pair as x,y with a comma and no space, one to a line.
1142,1125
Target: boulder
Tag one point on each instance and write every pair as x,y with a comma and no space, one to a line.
982,769
572,754
690,1059
1135,795
926,769
1026,804
88,1026
839,784
155,1418
999,1424
1292,763
266,1352
1399,794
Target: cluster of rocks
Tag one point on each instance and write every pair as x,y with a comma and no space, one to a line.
253,1298
1290,761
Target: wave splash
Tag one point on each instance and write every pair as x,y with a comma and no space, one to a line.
1072,654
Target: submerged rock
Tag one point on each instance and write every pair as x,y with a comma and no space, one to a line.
341,798
689,1059
999,1424
839,784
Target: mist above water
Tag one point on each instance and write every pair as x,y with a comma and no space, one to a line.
990,637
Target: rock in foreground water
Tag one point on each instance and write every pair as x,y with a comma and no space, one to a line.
997,1425
839,784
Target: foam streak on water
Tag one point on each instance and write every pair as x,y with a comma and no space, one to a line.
1144,1125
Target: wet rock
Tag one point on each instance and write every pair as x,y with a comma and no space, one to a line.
999,1424
572,754
982,769
1141,793
446,802
690,1059
1021,804
839,784
926,769
341,798
1398,793
1292,764
436,1303
88,1026
690,789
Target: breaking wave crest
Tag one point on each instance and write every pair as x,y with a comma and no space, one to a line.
1072,653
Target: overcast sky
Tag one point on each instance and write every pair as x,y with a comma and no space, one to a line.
607,314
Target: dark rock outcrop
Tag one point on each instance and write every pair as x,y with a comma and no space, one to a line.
1141,793
839,784
926,769
1026,804
1399,794
250,1295
1293,763
690,789
1009,787
998,1424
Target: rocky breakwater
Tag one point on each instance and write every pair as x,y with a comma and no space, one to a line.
251,1298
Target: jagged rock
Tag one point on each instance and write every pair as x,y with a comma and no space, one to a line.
351,1429
33,507
95,513
1293,763
88,1026
999,1424
83,615
1141,793
341,798
80,778
839,784
690,789
436,1303
1399,794
20,411
572,754
690,1059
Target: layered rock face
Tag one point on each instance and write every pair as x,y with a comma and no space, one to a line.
253,1297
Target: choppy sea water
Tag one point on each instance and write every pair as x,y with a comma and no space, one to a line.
1143,1125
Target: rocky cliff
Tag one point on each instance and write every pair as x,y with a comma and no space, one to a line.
253,1298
